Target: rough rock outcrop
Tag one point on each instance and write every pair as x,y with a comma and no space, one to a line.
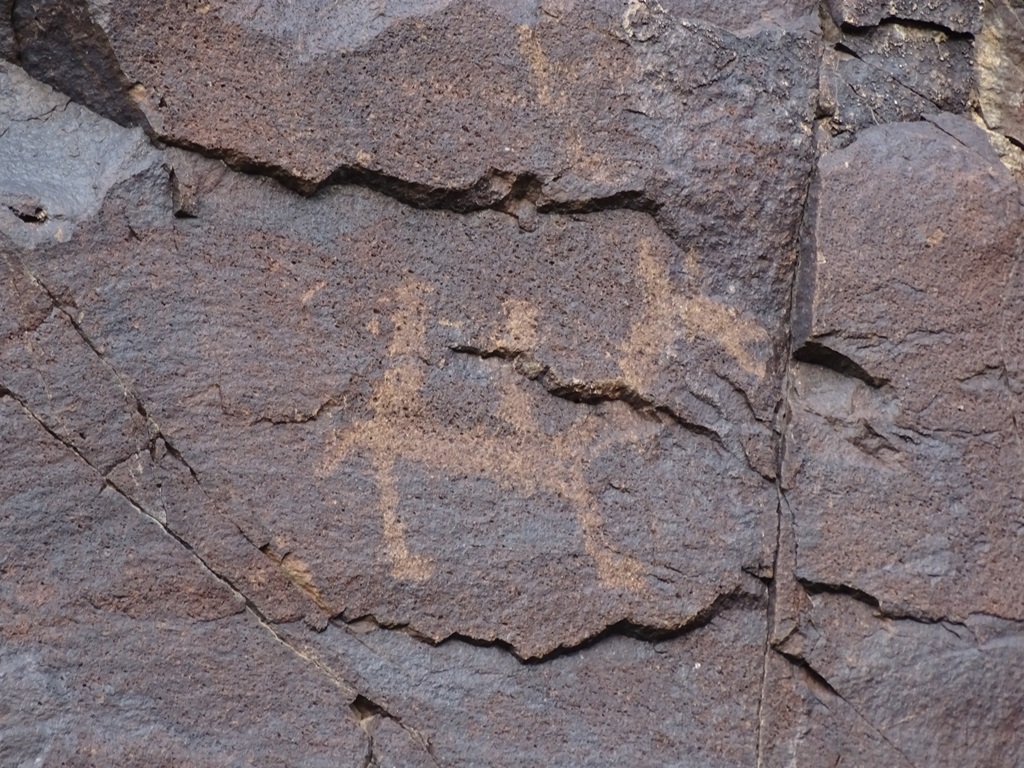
533,383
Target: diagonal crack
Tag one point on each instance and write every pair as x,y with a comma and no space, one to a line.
885,611
844,48
126,387
818,681
253,610
350,694
365,710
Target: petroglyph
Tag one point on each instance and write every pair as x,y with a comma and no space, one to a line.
668,315
532,460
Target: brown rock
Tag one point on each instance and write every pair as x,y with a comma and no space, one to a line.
903,459
930,64
119,648
44,360
750,18
411,383
473,438
963,16
807,722
1001,69
570,107
855,95
507,420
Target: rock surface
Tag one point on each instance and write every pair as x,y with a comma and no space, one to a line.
1000,75
112,631
913,392
960,16
535,383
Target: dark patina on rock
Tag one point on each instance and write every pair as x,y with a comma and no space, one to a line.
510,424
422,383
904,461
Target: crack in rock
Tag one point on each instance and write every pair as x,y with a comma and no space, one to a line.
820,683
368,713
590,393
648,633
250,606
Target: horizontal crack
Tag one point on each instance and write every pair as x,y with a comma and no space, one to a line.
886,612
820,587
896,21
494,190
590,393
737,598
298,418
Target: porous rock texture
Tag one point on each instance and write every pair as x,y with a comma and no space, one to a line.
543,382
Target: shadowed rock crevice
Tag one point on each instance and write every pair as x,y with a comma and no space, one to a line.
906,23
740,599
520,195
896,613
369,715
60,43
30,214
817,353
499,190
953,17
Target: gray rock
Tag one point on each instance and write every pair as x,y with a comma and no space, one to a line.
918,693
119,647
681,701
57,160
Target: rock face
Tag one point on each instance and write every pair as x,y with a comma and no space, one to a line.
912,392
533,383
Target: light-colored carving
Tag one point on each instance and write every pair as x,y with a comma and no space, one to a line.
531,460
549,79
667,315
